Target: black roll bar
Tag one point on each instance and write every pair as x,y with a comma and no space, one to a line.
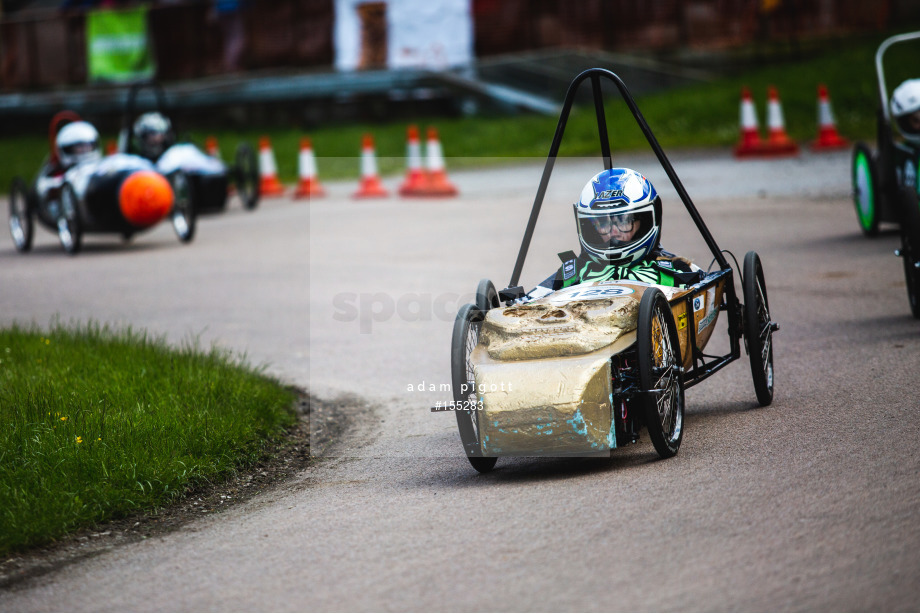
595,75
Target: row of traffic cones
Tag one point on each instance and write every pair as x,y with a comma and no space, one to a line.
778,142
430,180
421,180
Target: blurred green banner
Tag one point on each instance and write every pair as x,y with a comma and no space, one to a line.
117,46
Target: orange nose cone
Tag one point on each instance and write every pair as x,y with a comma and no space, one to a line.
145,198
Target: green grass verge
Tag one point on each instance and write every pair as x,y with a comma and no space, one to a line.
702,115
96,424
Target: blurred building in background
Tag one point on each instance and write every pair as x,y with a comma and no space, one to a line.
358,47
44,43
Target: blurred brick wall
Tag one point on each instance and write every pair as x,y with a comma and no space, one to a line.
187,41
38,52
42,52
504,26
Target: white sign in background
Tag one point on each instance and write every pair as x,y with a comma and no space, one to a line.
433,34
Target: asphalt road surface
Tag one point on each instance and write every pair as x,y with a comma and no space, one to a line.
809,504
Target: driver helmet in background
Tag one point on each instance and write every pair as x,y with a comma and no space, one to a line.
152,135
905,108
618,217
77,142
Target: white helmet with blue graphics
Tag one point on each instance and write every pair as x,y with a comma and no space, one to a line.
618,217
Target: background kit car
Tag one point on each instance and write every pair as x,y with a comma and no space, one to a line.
581,371
885,186
120,193
207,178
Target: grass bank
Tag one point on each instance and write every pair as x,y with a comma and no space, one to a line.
98,423
702,115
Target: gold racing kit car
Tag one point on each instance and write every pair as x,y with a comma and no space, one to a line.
582,370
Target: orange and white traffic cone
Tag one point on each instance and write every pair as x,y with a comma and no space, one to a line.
778,141
268,170
308,186
750,143
211,147
438,184
828,137
416,179
370,186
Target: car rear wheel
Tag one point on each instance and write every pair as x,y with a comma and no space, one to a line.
69,226
660,376
910,248
246,175
21,216
183,214
486,295
467,327
912,277
865,189
758,328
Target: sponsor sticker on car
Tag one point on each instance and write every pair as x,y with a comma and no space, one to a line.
590,293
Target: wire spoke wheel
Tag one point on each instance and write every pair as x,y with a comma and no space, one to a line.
660,375
246,174
758,328
183,212
467,327
70,230
21,216
865,189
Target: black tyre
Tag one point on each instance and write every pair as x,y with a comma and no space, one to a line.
246,176
184,213
866,192
69,225
22,216
660,375
758,328
486,295
467,327
910,248
912,277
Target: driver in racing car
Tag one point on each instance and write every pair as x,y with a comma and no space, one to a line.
75,143
152,135
618,218
905,108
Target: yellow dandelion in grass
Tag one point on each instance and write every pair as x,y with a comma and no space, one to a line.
63,418
79,439
47,341
98,438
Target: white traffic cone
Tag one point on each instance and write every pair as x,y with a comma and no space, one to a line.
308,185
778,141
438,184
749,143
268,170
416,180
370,186
828,137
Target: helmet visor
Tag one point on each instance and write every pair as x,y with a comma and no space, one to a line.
613,230
909,124
78,148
